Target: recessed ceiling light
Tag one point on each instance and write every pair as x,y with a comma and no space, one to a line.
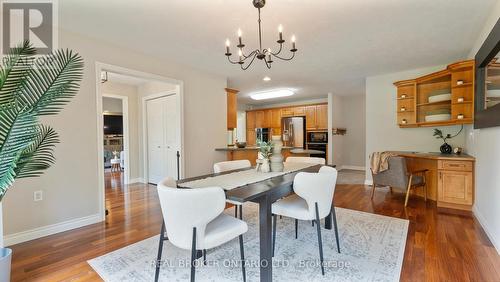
266,78
272,94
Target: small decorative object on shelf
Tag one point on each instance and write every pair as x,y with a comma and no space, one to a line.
339,131
457,150
460,116
403,109
460,100
445,148
404,121
403,96
460,82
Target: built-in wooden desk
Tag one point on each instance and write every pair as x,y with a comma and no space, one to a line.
450,179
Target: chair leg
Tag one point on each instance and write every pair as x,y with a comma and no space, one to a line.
235,211
242,253
334,216
408,190
241,212
204,257
320,241
425,188
390,188
312,223
274,232
296,228
193,254
160,251
373,190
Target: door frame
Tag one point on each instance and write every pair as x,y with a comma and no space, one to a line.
145,148
126,140
100,67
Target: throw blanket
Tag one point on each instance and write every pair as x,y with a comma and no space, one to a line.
379,161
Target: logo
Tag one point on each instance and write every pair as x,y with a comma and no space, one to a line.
29,20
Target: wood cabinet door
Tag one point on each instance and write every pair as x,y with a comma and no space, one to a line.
322,116
259,119
455,187
310,117
276,118
287,112
251,137
267,119
231,110
299,111
251,120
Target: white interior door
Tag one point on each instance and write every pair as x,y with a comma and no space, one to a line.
162,138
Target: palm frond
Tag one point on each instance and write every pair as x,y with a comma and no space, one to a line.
13,71
17,130
51,84
38,156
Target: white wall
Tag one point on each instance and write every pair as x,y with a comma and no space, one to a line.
484,144
71,194
382,131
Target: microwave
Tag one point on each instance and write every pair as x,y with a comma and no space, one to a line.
317,137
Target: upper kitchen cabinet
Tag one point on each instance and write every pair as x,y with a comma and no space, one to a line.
316,117
310,117
232,108
260,117
250,120
275,118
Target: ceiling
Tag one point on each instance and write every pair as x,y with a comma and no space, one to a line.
340,42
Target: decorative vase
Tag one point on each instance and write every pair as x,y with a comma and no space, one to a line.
5,259
446,148
265,166
277,158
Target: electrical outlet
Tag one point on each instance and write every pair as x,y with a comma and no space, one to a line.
38,196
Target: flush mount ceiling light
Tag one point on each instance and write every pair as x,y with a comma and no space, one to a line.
266,78
272,94
265,55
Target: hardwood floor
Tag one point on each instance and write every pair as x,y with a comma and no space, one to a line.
440,246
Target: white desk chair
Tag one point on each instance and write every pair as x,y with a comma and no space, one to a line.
194,220
233,165
312,200
309,160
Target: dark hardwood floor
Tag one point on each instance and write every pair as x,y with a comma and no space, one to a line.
440,246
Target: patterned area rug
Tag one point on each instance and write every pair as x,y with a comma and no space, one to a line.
372,248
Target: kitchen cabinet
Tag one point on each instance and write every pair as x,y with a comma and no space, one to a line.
287,112
310,117
275,118
250,120
455,183
251,137
231,108
299,111
259,119
322,116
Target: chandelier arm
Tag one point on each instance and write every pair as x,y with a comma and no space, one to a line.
249,64
229,59
279,51
249,55
268,65
285,59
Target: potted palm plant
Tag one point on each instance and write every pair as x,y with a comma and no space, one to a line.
31,87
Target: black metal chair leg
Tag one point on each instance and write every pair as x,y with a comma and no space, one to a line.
193,254
160,251
320,241
204,257
235,211
334,216
242,253
296,228
241,212
274,232
312,223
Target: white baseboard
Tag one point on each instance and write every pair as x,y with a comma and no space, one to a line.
43,231
368,182
487,230
136,180
353,167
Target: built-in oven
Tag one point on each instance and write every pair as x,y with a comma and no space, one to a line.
317,137
263,134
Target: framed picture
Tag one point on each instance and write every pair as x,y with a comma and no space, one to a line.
487,102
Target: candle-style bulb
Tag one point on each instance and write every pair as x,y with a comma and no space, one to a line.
239,32
293,38
228,43
240,53
269,50
280,28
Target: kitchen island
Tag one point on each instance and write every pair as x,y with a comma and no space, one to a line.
250,153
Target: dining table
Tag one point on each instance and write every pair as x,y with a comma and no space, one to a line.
264,193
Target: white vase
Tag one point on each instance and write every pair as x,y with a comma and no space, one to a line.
265,166
277,158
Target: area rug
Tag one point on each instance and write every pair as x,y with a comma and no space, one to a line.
372,249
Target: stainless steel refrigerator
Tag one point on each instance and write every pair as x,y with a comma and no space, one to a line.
294,132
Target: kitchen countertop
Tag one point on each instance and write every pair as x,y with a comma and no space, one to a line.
249,148
304,151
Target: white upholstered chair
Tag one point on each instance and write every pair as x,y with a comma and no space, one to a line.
309,160
194,220
228,166
312,200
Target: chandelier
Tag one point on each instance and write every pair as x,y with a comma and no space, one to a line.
266,55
